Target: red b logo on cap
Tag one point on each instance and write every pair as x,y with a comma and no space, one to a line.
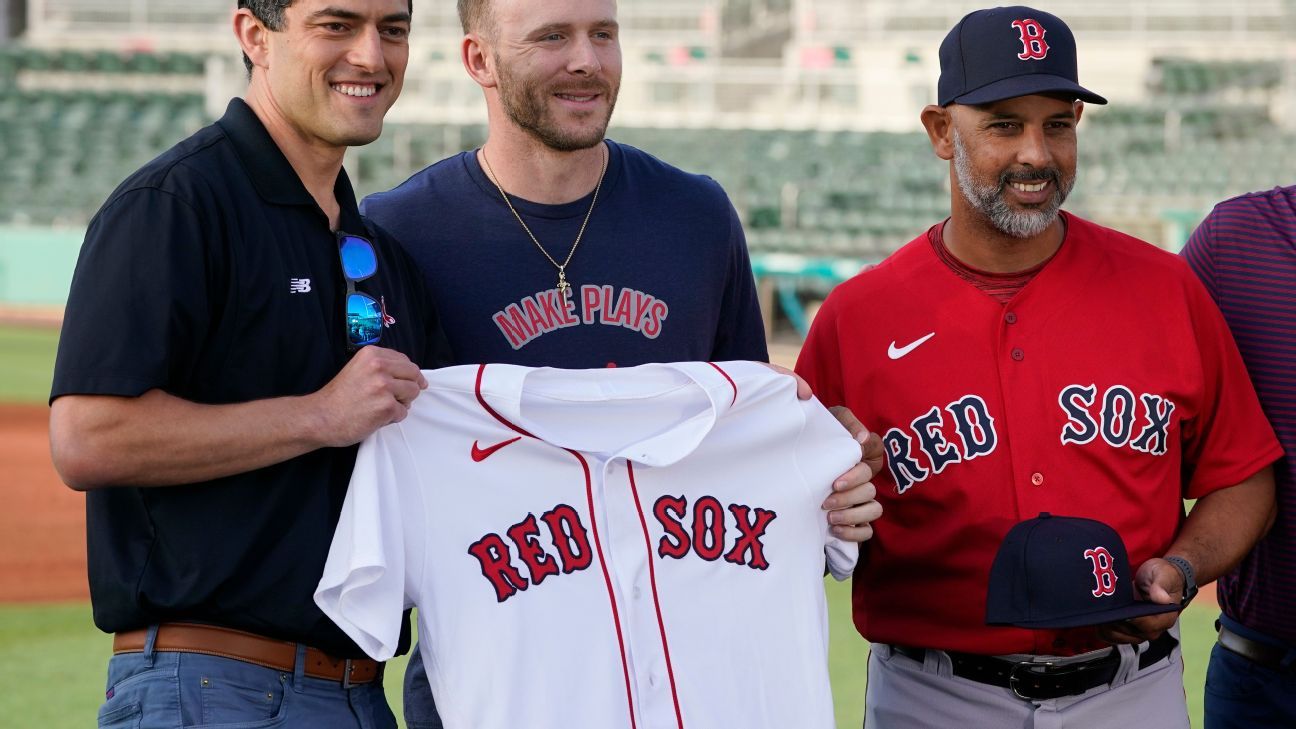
1104,575
1032,37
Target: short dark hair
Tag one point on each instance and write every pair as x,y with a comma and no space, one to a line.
474,15
271,14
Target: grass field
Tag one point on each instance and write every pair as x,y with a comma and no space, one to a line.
52,659
26,363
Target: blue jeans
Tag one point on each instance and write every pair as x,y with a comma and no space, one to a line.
420,709
162,690
1243,695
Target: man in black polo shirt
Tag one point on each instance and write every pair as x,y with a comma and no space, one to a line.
234,329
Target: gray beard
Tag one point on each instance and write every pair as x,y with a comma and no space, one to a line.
989,200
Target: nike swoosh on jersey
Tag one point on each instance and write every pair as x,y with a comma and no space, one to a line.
480,454
895,352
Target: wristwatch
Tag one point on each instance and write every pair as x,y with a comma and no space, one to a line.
1190,580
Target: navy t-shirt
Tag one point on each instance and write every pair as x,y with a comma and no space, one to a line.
661,274
212,274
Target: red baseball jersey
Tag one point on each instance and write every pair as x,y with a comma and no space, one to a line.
1109,387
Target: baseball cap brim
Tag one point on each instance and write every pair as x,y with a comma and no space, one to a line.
1137,610
1026,85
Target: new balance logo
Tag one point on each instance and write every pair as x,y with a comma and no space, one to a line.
299,285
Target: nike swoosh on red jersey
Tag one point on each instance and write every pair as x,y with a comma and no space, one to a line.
480,454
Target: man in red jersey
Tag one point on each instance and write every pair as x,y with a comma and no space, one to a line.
1021,360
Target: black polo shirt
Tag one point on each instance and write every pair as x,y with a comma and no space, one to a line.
212,274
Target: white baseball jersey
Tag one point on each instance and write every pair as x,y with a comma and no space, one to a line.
635,548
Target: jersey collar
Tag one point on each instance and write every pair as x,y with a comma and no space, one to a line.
505,390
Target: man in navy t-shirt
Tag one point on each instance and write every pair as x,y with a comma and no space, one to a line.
551,246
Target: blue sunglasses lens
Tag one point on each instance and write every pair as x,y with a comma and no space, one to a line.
364,319
359,261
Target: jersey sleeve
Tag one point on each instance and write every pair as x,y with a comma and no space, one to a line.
138,310
378,547
820,360
824,451
1229,440
741,335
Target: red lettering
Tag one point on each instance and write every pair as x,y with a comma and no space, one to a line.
539,564
590,302
569,538
642,302
622,315
605,308
493,554
669,511
708,528
652,328
1032,37
1104,573
749,539
534,316
551,305
513,329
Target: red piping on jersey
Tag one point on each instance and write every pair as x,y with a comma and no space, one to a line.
652,578
477,389
732,384
598,545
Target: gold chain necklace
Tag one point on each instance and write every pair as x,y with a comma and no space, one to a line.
564,288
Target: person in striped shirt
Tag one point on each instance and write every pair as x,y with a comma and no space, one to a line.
1245,253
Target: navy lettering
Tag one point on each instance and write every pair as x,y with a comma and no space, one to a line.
974,425
1117,416
1076,401
1155,437
904,469
940,452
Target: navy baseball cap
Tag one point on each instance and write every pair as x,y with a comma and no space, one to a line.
1063,572
1003,53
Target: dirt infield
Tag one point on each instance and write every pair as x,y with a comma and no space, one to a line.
42,522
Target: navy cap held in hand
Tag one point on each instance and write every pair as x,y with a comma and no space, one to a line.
1063,572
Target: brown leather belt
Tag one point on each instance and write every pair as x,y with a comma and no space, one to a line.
1273,657
1037,681
214,640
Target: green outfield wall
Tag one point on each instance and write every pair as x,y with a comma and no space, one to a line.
36,264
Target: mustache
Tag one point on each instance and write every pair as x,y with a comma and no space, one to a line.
585,90
1046,174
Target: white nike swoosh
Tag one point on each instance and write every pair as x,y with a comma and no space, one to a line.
895,352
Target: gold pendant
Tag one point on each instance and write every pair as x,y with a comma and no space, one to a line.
564,288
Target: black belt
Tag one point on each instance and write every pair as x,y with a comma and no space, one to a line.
1034,681
1273,657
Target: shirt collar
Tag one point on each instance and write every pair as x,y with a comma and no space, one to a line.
504,389
274,178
